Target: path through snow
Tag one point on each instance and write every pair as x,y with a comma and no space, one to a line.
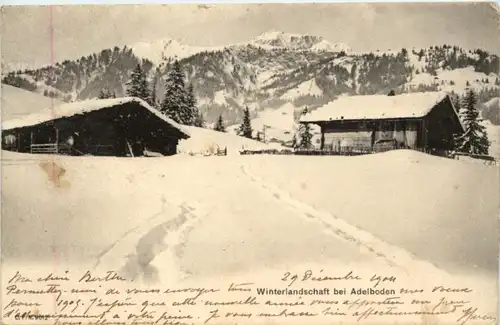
391,254
161,235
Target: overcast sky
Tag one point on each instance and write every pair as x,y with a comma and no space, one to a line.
81,30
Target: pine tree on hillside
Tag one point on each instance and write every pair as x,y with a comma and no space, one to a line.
154,102
475,139
457,102
305,136
103,94
219,126
295,145
245,129
138,85
175,103
154,99
199,120
106,93
194,114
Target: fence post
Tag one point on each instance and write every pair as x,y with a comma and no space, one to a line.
57,140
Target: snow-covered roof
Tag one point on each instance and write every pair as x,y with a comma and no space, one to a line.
412,105
83,107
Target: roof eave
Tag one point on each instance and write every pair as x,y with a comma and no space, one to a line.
367,119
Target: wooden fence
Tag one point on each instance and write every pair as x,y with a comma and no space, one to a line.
344,151
355,151
49,148
212,152
221,152
65,149
308,152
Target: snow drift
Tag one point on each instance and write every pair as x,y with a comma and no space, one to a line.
17,102
206,141
184,219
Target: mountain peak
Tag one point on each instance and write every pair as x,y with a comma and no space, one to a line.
275,34
157,51
280,39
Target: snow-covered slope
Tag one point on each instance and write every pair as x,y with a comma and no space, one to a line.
493,103
491,110
206,141
494,137
269,71
209,219
455,80
280,124
17,102
309,87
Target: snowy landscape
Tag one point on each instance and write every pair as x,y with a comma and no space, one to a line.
195,165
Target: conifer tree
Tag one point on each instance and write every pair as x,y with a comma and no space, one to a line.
197,116
245,129
475,139
219,125
154,99
174,103
153,96
456,100
106,93
305,136
193,115
199,120
103,94
295,144
138,85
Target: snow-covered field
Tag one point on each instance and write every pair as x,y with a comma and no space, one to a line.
182,218
406,197
206,141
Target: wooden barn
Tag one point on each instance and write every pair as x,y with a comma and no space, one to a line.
421,121
106,127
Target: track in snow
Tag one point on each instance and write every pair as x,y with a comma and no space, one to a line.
160,240
391,254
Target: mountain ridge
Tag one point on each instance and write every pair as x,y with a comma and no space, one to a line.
267,72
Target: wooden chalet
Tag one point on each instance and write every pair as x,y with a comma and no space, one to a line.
105,127
422,121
